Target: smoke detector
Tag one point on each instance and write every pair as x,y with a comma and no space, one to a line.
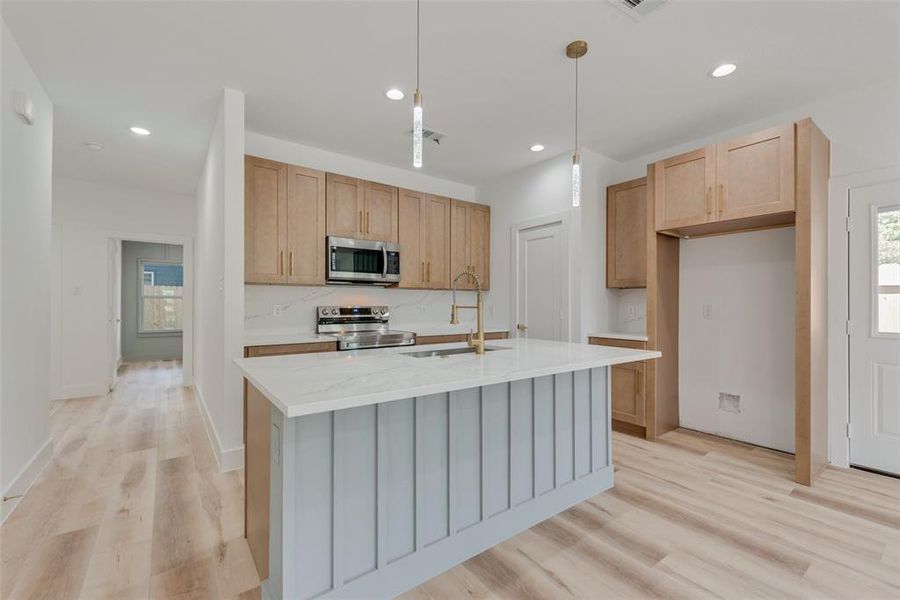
637,9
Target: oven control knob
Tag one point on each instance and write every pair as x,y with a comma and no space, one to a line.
324,311
334,311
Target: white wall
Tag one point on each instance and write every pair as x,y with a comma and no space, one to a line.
219,312
85,216
747,343
25,193
410,309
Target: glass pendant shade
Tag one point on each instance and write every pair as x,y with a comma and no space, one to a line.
417,130
576,180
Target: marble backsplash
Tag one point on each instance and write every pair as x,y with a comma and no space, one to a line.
410,309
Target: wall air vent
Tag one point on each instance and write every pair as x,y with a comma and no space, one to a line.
637,9
432,135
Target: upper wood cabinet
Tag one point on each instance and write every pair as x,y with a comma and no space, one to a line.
470,242
284,223
305,219
755,174
265,223
740,184
424,234
361,209
345,206
684,189
626,234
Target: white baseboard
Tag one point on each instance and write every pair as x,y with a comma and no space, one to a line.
228,460
27,476
83,390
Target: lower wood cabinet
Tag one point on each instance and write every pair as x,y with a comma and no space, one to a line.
629,389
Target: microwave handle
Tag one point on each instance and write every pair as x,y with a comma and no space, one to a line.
384,262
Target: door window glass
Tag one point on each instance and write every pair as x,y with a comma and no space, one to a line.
888,271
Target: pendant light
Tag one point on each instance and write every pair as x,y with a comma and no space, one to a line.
576,50
417,105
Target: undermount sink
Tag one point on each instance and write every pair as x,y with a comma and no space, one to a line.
447,352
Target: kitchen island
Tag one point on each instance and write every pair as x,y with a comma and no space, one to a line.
372,471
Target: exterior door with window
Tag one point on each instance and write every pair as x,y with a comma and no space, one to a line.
875,327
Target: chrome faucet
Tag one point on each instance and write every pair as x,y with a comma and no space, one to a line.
475,340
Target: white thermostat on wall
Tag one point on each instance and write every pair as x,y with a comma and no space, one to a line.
24,107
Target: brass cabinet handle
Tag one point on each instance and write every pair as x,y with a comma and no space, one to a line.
281,262
638,380
360,225
291,261
709,201
368,229
429,271
422,275
721,199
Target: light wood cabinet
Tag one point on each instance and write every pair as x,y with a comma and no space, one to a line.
284,223
345,206
755,174
628,393
745,183
265,226
684,189
626,234
361,209
424,234
470,242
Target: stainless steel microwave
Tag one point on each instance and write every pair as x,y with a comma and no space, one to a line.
353,261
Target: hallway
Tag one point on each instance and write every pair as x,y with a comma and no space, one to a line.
132,505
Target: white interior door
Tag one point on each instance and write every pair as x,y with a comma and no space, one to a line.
541,288
114,308
875,327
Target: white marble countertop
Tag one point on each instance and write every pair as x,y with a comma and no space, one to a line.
306,384
274,337
637,337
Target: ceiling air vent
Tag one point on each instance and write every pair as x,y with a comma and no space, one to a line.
432,135
637,9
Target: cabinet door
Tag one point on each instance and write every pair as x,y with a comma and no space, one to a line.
410,234
380,214
265,194
755,174
436,241
459,242
626,234
628,393
480,242
344,206
684,189
305,226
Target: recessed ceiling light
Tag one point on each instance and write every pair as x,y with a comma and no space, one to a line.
724,70
95,146
394,94
140,130
537,148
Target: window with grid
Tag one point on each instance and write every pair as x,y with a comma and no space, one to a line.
161,287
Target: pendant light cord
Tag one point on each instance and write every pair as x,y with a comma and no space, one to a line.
576,105
417,45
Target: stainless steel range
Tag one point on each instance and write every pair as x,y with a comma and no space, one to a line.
358,327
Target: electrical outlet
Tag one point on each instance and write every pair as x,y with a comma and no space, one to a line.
630,312
730,403
708,311
277,309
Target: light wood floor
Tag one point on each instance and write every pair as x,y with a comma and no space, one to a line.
134,507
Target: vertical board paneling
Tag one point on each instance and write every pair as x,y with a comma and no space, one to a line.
544,435
521,443
466,456
356,431
581,394
599,418
312,505
495,443
396,480
432,468
565,442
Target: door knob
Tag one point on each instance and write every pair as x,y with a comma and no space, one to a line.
522,327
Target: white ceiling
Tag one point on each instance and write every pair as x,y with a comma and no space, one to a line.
494,76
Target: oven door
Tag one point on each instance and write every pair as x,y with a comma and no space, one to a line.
361,261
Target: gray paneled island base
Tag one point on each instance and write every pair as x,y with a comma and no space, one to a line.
354,498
